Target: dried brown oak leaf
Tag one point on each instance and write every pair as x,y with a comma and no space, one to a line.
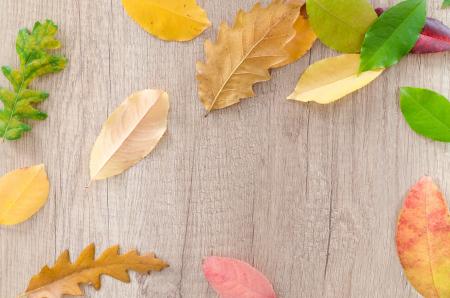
66,278
244,53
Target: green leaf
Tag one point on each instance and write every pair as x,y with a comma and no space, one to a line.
393,35
341,24
446,4
427,112
35,60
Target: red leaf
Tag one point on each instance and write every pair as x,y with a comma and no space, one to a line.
435,37
232,278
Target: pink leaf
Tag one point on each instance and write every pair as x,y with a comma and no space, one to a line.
435,37
232,278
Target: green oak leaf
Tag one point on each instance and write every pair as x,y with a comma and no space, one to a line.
393,35
446,4
341,24
32,49
427,112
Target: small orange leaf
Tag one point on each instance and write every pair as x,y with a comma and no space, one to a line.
302,42
65,277
423,239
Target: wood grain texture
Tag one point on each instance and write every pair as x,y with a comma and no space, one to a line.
308,194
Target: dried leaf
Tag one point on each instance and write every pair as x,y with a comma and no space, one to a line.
66,278
18,104
435,37
427,112
179,20
393,35
131,132
302,42
341,24
232,278
22,193
243,54
423,239
331,79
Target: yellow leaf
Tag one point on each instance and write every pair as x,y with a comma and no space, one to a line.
331,79
243,54
302,42
131,132
65,278
22,193
179,20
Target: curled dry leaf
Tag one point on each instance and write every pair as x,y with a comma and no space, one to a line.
66,278
331,79
423,239
243,54
232,278
22,193
179,20
131,132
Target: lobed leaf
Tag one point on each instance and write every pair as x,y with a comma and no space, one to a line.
427,112
65,278
341,24
243,54
18,104
393,35
423,239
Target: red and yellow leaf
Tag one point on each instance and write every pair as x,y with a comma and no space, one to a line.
423,239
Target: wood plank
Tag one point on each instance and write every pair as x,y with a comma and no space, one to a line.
308,194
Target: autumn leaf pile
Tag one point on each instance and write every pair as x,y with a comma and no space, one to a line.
243,54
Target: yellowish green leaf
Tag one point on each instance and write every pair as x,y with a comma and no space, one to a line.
22,193
174,20
341,24
331,79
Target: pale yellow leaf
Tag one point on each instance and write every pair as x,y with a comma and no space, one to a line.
331,79
131,132
22,193
243,54
66,278
179,20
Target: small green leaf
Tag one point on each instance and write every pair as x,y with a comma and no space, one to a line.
427,112
341,24
32,49
393,35
446,4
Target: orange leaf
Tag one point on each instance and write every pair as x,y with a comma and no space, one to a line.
423,239
66,277
302,42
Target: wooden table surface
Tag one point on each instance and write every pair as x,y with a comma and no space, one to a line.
308,194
